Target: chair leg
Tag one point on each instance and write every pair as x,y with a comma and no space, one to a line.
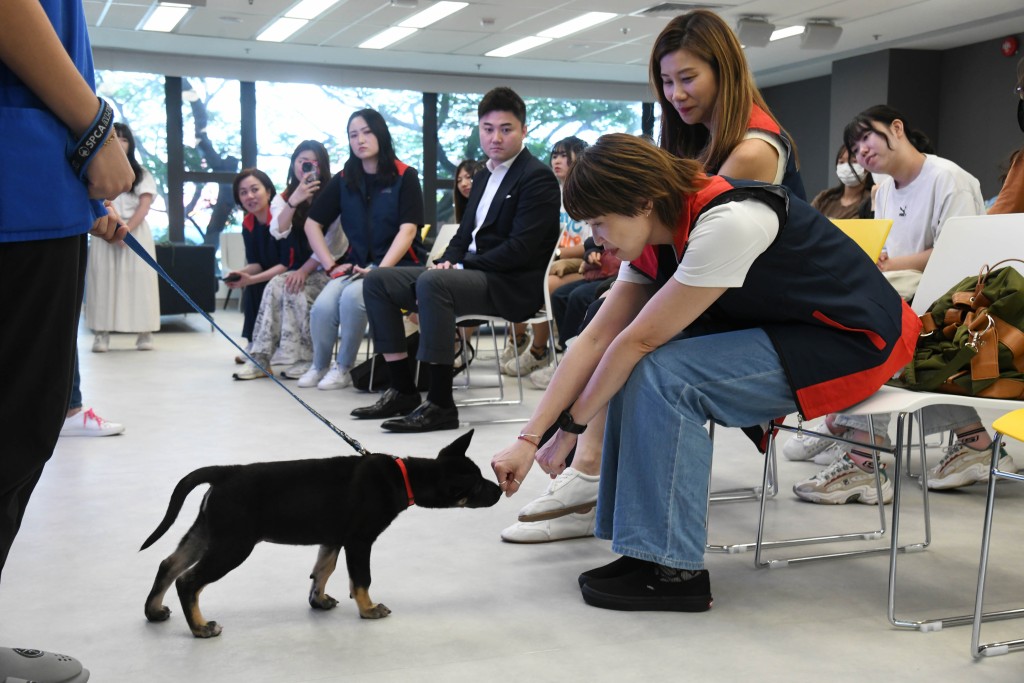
979,649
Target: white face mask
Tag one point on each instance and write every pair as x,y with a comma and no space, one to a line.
850,176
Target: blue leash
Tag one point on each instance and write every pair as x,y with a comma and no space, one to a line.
144,255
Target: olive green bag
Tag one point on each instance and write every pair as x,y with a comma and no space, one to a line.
971,340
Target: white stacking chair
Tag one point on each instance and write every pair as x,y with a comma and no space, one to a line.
965,245
232,256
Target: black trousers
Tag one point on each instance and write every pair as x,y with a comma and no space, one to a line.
41,286
439,296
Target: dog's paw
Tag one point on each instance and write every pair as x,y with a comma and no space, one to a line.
326,602
161,614
378,611
210,629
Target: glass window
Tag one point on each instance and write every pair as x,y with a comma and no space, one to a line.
138,101
209,204
322,115
211,113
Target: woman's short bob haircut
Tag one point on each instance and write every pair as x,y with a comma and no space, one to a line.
258,175
620,173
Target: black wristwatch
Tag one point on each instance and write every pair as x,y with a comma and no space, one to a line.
566,424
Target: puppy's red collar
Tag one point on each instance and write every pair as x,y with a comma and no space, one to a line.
405,477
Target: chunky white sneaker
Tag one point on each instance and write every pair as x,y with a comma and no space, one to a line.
844,482
251,370
101,343
144,342
527,363
806,445
88,423
540,379
574,525
336,378
512,350
311,377
963,466
296,370
570,491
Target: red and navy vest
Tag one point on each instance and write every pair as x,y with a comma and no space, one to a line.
369,217
840,329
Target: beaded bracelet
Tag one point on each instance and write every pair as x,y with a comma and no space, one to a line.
80,154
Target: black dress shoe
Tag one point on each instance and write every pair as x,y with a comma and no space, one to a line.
428,417
391,404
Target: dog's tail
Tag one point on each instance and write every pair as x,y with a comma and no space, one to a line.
204,475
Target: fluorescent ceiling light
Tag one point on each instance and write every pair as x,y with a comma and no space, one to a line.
787,32
578,24
165,17
310,9
281,29
518,46
387,37
436,12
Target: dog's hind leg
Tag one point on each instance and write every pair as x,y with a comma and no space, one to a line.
188,552
220,558
326,562
357,558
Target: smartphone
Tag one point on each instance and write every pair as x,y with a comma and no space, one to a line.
233,277
310,169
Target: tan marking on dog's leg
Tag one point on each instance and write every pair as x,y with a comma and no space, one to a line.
201,628
326,563
367,609
170,569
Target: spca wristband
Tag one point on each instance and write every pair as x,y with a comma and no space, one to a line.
81,153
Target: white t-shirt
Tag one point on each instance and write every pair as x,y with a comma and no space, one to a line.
337,241
776,142
573,232
920,208
723,244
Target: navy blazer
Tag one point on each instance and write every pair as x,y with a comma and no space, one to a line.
518,235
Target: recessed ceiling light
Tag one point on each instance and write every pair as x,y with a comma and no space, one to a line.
578,24
787,32
310,9
165,16
281,30
231,20
436,12
518,46
387,37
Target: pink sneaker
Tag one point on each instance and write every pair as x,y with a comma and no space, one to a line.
88,423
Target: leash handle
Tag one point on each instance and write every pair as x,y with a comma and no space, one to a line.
144,255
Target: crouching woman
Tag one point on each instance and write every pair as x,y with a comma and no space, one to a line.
737,303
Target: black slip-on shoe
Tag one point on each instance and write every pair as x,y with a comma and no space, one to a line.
623,565
642,591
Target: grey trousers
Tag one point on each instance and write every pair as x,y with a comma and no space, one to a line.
438,296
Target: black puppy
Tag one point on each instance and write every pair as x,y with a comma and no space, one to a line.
331,502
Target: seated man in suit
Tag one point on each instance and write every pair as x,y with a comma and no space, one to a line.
494,265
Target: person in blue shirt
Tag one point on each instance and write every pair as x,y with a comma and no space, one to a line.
48,106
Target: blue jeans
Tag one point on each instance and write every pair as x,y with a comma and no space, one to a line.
653,495
338,312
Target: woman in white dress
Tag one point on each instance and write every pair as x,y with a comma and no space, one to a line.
121,289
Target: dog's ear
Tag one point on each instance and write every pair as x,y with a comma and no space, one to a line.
457,448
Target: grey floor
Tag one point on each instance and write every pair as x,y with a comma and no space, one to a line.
466,607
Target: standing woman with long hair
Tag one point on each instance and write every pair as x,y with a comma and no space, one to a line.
379,202
121,290
712,112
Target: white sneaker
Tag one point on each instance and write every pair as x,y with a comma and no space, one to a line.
527,363
101,343
311,377
540,379
88,423
296,370
570,491
336,378
144,342
844,482
251,370
513,349
575,525
806,445
963,466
